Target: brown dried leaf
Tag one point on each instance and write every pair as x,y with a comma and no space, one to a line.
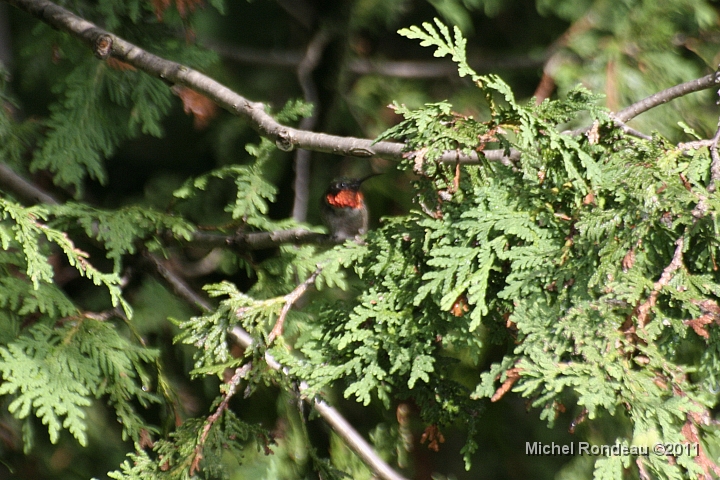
419,161
691,434
511,377
708,307
698,324
198,104
593,134
195,466
685,182
578,420
145,439
660,382
119,64
629,260
710,313
184,7
460,307
267,441
456,179
541,176
403,414
432,433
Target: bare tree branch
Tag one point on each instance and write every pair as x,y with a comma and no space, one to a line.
106,44
178,284
286,138
703,83
372,66
24,190
305,69
255,56
261,240
353,439
437,68
198,268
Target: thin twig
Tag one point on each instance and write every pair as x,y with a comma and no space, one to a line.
240,373
629,130
660,98
260,240
715,165
642,471
179,286
643,311
375,66
204,266
695,144
617,122
305,69
24,190
703,83
290,300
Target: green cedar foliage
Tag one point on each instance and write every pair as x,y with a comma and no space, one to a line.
101,104
66,357
589,262
593,255
558,254
183,455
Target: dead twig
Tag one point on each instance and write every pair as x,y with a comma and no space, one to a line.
290,300
240,373
643,310
715,165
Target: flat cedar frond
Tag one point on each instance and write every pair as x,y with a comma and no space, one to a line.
573,270
119,230
55,373
543,244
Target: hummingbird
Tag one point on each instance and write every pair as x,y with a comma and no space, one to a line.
343,209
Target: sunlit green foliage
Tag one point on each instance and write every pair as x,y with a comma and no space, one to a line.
578,274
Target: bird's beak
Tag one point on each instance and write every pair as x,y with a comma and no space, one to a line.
360,181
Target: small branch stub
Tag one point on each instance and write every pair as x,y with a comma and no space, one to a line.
285,141
361,152
103,46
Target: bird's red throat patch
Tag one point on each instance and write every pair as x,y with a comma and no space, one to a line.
345,199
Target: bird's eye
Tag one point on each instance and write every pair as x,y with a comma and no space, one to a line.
343,185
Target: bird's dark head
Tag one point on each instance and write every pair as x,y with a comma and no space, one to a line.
345,192
344,183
